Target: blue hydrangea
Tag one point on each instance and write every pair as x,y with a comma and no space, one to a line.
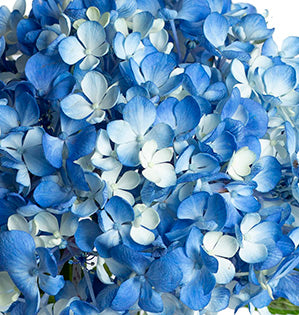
149,158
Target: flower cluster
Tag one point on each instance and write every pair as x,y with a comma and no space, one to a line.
149,157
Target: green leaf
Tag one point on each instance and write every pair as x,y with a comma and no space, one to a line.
283,306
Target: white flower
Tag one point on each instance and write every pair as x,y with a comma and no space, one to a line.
118,187
156,168
47,222
145,219
221,247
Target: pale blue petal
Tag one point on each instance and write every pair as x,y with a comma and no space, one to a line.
140,113
71,51
91,34
279,80
215,29
76,107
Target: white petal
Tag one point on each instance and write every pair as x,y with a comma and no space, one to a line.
238,71
163,175
164,155
69,224
249,221
142,236
226,271
240,162
150,218
129,180
101,272
227,246
253,253
210,240
18,222
46,222
148,150
94,86
89,62
103,143
125,195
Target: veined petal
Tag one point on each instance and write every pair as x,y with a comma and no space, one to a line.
71,51
76,107
91,34
94,86
120,131
253,253
89,62
279,80
129,180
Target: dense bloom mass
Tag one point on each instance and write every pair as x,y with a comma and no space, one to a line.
149,158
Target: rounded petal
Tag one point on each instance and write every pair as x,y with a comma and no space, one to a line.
71,51
253,253
91,34
46,222
94,86
141,235
129,180
76,107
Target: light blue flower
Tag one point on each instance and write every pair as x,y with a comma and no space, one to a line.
89,46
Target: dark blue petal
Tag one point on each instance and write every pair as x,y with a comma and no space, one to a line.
86,234
149,299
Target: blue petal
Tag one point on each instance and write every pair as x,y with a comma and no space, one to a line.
17,257
53,150
27,109
164,274
279,80
82,143
162,134
130,258
106,241
290,47
266,173
193,296
157,67
86,234
36,162
41,70
193,11
187,114
193,206
128,153
8,119
50,194
82,307
215,92
216,211
193,244
215,29
51,285
140,113
149,299
127,295
120,210
198,81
